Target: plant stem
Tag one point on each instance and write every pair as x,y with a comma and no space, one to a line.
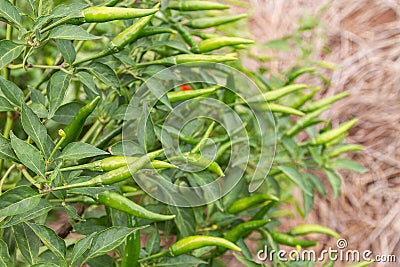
63,136
92,129
154,256
29,177
5,176
9,121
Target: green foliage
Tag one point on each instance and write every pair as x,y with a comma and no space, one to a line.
63,74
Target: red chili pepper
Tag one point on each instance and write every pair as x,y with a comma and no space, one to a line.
185,87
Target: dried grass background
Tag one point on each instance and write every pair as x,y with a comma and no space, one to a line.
364,36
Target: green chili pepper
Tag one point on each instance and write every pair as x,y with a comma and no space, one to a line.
111,2
185,35
284,109
328,136
114,176
196,6
130,34
304,121
242,230
312,228
106,139
185,95
302,100
119,202
75,127
132,247
343,149
260,214
219,42
203,23
298,73
278,93
288,240
201,161
337,140
325,101
186,58
115,162
249,202
190,243
103,14
124,172
204,35
128,188
149,31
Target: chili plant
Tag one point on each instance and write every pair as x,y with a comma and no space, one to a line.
70,71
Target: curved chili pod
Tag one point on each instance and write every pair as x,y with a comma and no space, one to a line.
194,242
196,5
289,240
119,202
219,42
104,14
249,202
75,127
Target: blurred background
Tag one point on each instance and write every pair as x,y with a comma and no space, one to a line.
362,38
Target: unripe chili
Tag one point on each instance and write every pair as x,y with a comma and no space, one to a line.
103,13
115,162
189,94
284,109
298,73
186,36
196,5
149,31
125,172
302,100
219,42
278,93
312,228
337,151
186,58
132,247
328,136
289,240
119,202
194,242
304,121
249,202
325,101
203,23
242,230
75,127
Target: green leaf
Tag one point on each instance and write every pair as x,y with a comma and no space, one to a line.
42,208
9,51
5,259
50,239
247,262
88,84
104,73
5,105
45,264
66,113
10,13
28,155
296,176
80,150
184,220
109,239
81,247
334,180
33,127
27,242
67,50
18,200
6,151
11,91
72,213
180,261
279,44
56,90
71,32
153,243
348,164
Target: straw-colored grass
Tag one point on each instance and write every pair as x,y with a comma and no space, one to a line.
364,36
